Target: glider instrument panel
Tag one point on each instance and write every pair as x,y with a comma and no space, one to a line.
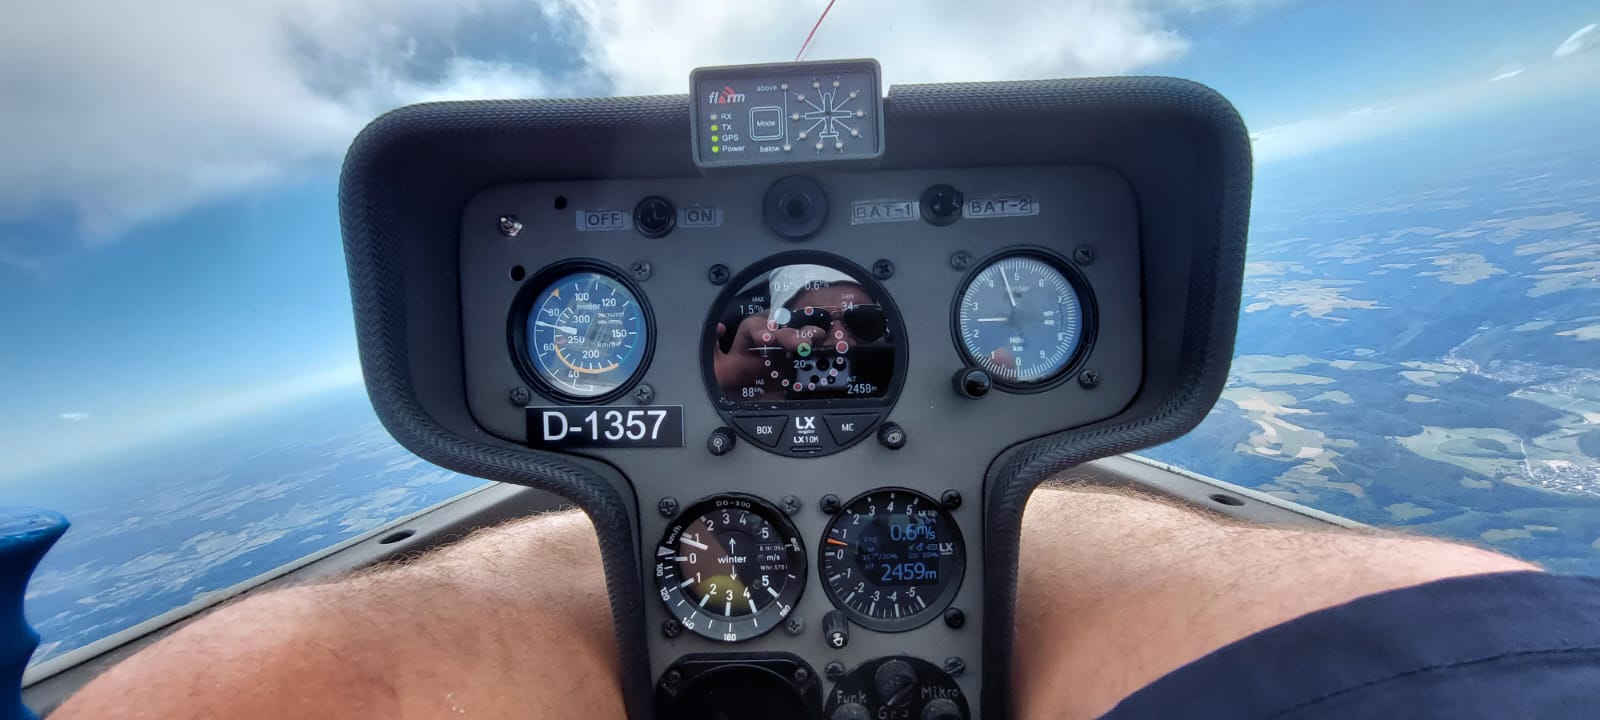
801,350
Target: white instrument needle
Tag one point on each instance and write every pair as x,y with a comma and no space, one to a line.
560,328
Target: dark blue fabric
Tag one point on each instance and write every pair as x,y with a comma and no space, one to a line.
1508,645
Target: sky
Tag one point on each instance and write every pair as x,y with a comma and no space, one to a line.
169,245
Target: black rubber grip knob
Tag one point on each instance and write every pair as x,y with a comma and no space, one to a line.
941,709
896,683
851,711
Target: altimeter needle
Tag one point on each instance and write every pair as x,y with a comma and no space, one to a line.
558,328
1004,319
1009,294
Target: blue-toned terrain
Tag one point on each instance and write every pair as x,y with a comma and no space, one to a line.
1420,342
161,529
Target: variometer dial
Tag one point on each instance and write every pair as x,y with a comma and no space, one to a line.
1021,319
730,568
585,334
892,559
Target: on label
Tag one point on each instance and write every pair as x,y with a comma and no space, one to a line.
595,220
865,212
700,216
1000,206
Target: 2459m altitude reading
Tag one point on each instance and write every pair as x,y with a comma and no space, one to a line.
601,427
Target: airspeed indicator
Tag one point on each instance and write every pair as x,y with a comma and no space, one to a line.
583,334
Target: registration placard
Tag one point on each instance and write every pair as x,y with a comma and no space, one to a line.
636,426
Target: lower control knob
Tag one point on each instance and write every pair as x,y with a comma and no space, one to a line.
851,711
896,683
941,709
901,687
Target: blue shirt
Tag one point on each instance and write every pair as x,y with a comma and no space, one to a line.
1505,645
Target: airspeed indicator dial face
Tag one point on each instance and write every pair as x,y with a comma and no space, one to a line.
730,568
585,335
892,559
1021,319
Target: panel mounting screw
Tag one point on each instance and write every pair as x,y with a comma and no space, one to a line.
795,625
641,271
668,506
833,670
951,499
510,225
791,504
1089,379
644,394
955,618
883,269
831,504
520,396
671,628
955,666
669,682
718,274
960,259
801,675
1083,255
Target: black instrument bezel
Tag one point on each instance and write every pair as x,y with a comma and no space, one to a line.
1086,299
768,618
947,590
862,277
517,329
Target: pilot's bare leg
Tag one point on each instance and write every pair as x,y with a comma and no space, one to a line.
1116,590
512,622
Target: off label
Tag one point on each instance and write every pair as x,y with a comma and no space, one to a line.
602,220
1000,206
699,216
866,212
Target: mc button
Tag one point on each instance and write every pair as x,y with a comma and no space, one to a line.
846,428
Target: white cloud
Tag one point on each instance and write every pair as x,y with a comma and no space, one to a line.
117,113
74,416
1584,39
122,112
647,48
1504,75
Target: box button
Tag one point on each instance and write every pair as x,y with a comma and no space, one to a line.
764,429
